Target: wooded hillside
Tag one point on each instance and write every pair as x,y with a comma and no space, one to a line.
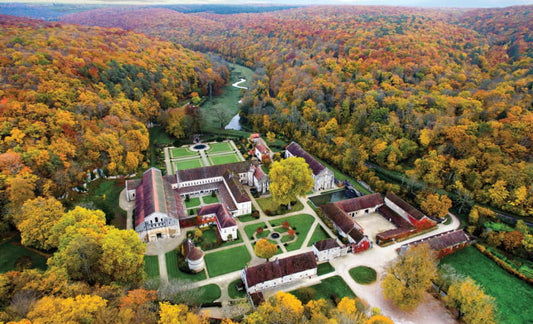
442,95
75,98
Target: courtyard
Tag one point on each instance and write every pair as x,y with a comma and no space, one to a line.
201,155
374,223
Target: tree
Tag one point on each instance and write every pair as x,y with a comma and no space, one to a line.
350,311
408,278
178,314
122,256
435,205
36,220
473,304
264,249
280,308
82,308
289,179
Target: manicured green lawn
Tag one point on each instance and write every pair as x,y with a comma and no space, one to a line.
210,199
324,268
318,235
11,250
246,218
220,147
151,266
193,202
224,159
174,272
250,229
178,152
363,275
210,240
301,224
233,292
513,296
226,261
330,286
188,164
268,203
209,293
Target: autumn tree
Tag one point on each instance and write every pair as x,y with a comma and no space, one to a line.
280,308
178,314
473,304
265,249
36,220
435,205
289,179
66,310
410,276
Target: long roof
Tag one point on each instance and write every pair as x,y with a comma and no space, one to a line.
441,241
338,216
405,206
280,268
298,151
326,244
222,214
360,203
154,195
212,171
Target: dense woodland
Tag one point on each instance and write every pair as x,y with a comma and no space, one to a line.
444,96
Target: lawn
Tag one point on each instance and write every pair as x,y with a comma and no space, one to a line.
188,164
151,266
210,200
177,152
246,218
268,203
363,275
210,240
513,296
324,268
224,159
193,202
233,292
174,272
220,147
208,293
11,250
318,235
226,261
301,224
250,229
332,286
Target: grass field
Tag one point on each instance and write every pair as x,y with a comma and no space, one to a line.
209,199
363,275
224,159
209,293
174,272
301,224
247,218
11,250
233,292
324,268
318,235
226,261
187,164
193,202
151,266
332,286
250,229
513,296
177,152
220,147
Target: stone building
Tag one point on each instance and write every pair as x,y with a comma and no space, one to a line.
323,177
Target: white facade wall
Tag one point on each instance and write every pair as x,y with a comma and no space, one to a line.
130,194
197,265
279,281
186,184
244,208
397,209
226,232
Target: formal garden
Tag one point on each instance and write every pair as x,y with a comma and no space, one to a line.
227,260
332,289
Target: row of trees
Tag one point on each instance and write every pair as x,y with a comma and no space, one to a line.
408,279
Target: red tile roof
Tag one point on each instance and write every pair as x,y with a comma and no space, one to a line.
326,244
298,151
258,172
280,268
441,241
360,203
415,213
394,218
212,171
262,148
192,252
223,216
338,216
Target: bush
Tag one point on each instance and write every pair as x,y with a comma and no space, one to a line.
268,212
255,214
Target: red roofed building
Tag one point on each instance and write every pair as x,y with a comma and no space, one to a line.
226,225
193,255
261,149
323,177
281,271
444,243
408,212
328,249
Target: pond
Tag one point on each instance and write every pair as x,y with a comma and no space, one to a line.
275,235
234,123
330,197
199,147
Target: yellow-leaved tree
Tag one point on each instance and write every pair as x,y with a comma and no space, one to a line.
289,179
265,249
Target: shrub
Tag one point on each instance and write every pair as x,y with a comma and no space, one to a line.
259,230
285,224
255,214
291,232
268,212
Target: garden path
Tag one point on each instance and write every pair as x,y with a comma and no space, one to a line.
204,157
128,206
167,160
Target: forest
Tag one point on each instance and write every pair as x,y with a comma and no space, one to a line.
443,97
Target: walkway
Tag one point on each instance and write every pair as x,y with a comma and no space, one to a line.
237,84
127,206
